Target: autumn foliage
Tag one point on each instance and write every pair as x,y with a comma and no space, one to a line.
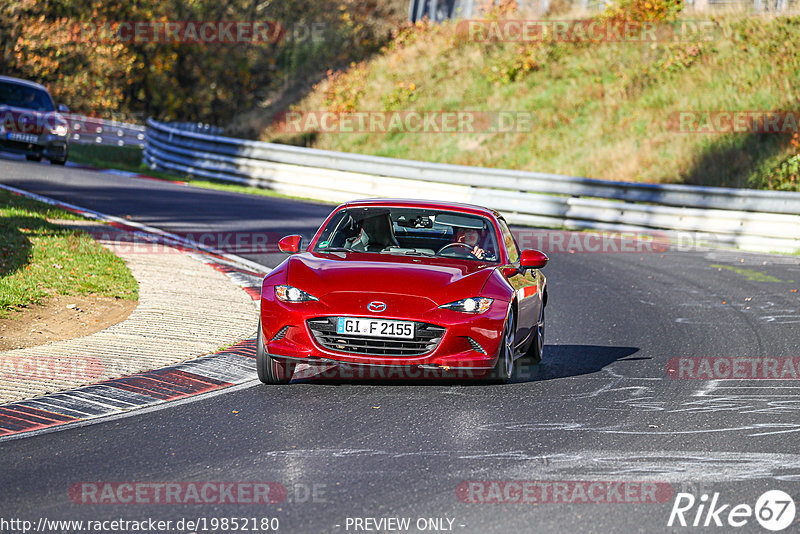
187,81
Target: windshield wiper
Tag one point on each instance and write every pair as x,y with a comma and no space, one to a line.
406,253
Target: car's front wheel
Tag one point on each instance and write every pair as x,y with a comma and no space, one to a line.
504,367
33,157
271,370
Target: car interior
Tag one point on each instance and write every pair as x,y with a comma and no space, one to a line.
407,231
20,96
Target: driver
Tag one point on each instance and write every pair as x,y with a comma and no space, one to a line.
471,237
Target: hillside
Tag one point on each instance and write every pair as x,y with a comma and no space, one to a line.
600,109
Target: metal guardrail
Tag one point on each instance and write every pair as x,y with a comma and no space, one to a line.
197,127
96,131
763,220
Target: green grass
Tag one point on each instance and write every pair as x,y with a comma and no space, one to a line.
122,158
130,159
751,274
600,110
127,158
40,259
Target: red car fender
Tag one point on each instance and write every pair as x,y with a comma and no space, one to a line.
497,287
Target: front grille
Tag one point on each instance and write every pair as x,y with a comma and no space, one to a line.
426,337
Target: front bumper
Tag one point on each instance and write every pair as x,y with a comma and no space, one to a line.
47,145
469,341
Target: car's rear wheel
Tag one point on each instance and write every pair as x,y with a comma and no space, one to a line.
271,370
504,367
33,157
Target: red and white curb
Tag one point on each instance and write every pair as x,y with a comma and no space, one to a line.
227,368
235,365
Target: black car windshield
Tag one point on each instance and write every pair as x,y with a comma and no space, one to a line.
23,96
410,231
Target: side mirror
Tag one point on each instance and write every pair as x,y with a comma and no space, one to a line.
63,108
290,244
533,259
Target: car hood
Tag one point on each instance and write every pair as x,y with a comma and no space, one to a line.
440,280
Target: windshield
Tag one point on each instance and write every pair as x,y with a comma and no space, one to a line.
23,96
410,231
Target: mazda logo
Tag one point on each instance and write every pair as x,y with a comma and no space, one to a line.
376,306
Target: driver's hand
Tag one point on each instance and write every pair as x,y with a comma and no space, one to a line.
478,252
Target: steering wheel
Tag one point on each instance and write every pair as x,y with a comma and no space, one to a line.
469,248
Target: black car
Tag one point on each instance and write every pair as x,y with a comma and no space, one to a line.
30,123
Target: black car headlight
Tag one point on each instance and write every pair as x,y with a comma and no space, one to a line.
292,294
470,305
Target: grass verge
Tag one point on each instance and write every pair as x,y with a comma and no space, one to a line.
40,259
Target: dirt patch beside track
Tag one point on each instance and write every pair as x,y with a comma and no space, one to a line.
62,317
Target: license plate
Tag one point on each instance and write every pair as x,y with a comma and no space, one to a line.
22,137
374,327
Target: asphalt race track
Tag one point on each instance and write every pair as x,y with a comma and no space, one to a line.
601,406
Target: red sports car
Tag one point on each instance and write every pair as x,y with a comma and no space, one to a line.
414,285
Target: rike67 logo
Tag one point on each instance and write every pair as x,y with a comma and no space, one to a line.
774,510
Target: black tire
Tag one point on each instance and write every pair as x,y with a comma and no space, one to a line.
537,345
271,370
504,367
33,157
58,161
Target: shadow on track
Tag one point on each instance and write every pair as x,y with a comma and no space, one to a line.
560,361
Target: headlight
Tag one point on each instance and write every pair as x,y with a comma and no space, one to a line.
292,294
471,305
60,130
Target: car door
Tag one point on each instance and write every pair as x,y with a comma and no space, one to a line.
526,284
